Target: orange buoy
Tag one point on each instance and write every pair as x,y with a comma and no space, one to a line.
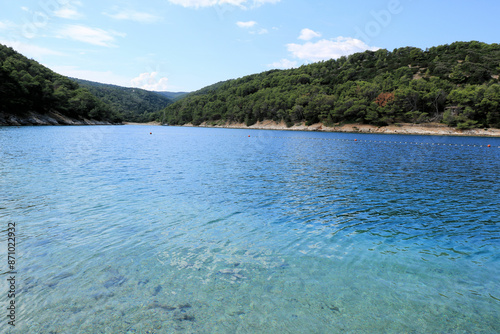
355,140
248,135
489,145
150,133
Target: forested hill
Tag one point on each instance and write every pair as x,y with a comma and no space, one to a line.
33,94
133,104
456,84
174,96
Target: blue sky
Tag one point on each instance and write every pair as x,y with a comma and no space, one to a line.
185,45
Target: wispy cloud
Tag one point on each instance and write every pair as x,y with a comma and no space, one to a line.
94,36
252,25
244,4
133,15
283,64
68,13
150,81
248,24
308,34
261,31
328,48
68,10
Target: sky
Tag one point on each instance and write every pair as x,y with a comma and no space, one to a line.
185,45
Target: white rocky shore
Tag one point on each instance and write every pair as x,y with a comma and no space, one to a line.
403,128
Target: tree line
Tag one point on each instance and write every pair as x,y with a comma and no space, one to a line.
132,104
457,84
26,86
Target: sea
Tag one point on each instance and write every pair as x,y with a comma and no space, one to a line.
162,229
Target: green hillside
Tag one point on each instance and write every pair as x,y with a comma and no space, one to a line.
174,96
455,84
28,88
133,104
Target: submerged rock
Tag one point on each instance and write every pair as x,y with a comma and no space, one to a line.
101,295
143,282
114,281
157,290
165,307
185,317
154,305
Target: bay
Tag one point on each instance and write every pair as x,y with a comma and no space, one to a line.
173,229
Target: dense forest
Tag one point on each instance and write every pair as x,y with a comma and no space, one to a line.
456,84
132,104
26,87
174,96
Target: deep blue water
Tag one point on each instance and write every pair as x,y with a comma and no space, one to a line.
243,231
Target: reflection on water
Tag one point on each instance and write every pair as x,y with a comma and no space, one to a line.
213,231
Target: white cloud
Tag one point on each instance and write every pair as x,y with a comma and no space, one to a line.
261,2
244,4
68,13
68,10
26,9
30,50
89,35
260,31
248,24
328,48
283,64
308,34
150,81
133,15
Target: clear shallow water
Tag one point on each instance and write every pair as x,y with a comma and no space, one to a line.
211,231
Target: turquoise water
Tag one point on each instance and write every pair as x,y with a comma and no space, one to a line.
193,230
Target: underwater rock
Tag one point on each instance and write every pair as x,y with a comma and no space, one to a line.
114,281
284,265
56,279
234,274
185,317
63,275
157,290
236,313
143,282
101,295
333,308
155,304
51,284
184,306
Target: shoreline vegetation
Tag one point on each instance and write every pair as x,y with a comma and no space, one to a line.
456,85
50,118
430,129
437,129
445,90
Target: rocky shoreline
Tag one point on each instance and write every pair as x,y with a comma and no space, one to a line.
437,129
52,118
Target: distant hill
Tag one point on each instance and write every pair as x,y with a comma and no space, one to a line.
133,104
33,94
456,84
174,96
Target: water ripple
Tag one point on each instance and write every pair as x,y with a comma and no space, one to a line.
280,231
